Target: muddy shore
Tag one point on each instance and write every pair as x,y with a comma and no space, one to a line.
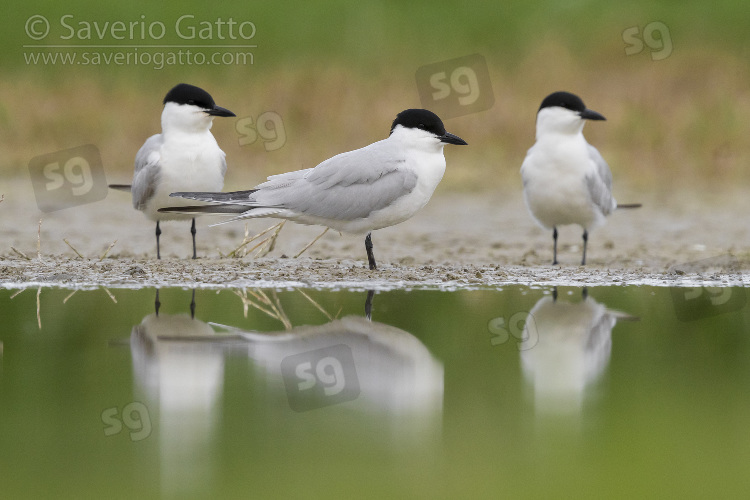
458,240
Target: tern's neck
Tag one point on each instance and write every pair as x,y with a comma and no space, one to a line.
417,141
183,120
546,130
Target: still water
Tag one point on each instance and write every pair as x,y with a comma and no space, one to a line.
523,392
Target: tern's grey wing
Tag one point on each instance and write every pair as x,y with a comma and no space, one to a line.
599,183
600,329
146,173
348,186
526,165
223,164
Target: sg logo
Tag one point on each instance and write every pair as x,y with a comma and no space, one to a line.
704,300
269,126
134,416
456,87
661,45
319,378
521,326
68,178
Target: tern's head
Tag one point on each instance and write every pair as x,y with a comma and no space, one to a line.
190,109
563,113
422,126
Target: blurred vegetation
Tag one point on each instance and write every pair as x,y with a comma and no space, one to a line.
336,73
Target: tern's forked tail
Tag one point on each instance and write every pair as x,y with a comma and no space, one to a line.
241,197
206,209
239,211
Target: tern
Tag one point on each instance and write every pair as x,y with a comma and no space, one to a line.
565,179
357,192
185,156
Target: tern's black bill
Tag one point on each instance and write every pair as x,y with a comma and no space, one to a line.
449,138
219,111
588,114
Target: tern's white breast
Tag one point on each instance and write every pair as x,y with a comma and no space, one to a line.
189,162
555,188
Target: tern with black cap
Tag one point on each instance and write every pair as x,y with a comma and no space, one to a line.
565,179
357,192
185,156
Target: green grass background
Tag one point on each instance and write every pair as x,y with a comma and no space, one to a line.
338,72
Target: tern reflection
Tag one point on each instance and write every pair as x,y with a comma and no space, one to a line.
383,373
369,366
178,365
566,349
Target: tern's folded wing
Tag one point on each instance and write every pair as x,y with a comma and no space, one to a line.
599,183
146,173
348,186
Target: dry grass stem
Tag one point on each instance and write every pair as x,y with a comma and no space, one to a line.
69,296
39,241
318,306
246,241
20,253
107,251
312,242
110,295
270,242
39,307
260,301
73,248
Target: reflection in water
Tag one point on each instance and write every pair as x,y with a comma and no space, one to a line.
181,377
566,348
372,368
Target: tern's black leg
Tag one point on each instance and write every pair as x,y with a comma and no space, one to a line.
585,242
554,247
158,233
370,255
193,231
157,304
192,304
368,304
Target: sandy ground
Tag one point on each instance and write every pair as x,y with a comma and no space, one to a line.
458,240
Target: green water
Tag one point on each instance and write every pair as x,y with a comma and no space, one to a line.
630,392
